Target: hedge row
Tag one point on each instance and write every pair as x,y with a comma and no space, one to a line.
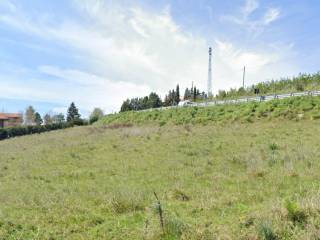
11,132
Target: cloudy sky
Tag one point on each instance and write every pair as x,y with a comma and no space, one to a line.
99,52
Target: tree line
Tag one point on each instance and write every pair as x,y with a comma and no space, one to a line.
303,82
34,123
33,118
153,100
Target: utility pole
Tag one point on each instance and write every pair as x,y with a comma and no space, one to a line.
244,76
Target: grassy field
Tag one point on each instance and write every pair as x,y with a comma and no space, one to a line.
248,177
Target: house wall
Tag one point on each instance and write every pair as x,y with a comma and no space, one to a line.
13,122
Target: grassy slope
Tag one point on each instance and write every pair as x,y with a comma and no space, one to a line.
291,108
225,179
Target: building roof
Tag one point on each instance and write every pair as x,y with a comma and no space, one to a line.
5,116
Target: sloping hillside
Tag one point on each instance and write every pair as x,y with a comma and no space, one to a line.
222,178
296,108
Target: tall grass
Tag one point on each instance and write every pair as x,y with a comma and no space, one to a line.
214,179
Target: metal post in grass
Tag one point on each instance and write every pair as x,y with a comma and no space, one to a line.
160,211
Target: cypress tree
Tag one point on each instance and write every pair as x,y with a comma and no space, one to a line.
186,94
177,95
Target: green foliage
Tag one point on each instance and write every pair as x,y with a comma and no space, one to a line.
295,214
96,114
11,132
303,82
136,104
274,147
266,232
37,118
73,114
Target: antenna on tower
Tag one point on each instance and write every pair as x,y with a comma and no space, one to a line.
210,74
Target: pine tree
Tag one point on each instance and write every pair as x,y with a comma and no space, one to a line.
73,113
126,106
37,118
173,97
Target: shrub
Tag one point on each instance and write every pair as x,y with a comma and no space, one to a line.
3,134
11,132
93,119
266,232
295,214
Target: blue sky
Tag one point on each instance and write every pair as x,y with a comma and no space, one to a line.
98,52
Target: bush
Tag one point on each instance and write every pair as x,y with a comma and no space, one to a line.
3,134
11,132
295,214
93,119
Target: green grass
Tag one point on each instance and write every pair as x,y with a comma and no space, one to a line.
292,108
216,179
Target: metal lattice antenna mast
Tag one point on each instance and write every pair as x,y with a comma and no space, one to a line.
210,74
243,76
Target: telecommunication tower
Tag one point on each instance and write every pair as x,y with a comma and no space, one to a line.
210,74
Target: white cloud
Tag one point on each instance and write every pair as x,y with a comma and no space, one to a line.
261,65
250,6
246,19
271,15
128,52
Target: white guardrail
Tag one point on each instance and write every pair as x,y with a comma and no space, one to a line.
242,100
